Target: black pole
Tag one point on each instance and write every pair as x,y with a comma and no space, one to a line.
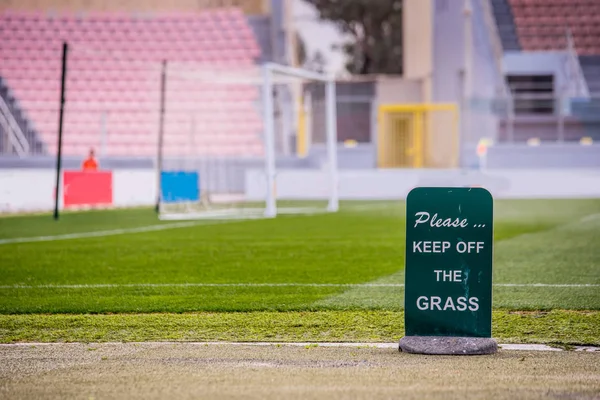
161,127
63,78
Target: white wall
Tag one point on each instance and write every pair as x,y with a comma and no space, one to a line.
32,190
134,187
395,184
449,62
26,189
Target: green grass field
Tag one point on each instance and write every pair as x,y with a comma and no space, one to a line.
547,256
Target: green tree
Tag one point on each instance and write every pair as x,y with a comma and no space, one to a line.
376,30
300,50
318,62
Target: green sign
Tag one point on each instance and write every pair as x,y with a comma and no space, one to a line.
449,239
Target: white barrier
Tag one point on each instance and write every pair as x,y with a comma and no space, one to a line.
395,184
26,190
134,188
33,189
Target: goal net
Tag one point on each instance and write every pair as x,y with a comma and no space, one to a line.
232,142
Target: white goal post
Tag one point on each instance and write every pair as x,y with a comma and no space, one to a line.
227,127
331,131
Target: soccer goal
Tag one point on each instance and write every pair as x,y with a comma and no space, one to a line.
233,142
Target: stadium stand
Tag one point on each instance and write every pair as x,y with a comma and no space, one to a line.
542,25
249,7
114,69
544,111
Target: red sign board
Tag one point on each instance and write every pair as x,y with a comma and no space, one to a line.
87,188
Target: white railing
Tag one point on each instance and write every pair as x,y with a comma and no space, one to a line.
577,85
492,27
539,118
13,130
498,51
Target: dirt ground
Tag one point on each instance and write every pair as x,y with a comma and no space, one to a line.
188,370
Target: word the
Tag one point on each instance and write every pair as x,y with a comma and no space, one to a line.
448,276
434,222
435,303
425,246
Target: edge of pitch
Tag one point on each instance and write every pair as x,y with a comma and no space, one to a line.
508,346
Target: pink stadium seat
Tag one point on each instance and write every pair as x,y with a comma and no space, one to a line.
114,69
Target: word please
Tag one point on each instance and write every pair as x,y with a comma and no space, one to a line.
424,246
435,222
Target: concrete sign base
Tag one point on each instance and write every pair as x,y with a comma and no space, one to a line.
448,345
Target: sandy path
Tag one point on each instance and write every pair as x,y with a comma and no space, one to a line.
185,370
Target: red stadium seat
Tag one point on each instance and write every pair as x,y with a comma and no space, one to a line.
543,24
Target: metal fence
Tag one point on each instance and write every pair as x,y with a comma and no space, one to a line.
533,118
356,112
17,135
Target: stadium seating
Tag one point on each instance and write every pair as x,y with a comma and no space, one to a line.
543,24
113,81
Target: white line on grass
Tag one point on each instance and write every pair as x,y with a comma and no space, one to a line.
112,232
387,205
555,285
290,284
590,217
159,285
